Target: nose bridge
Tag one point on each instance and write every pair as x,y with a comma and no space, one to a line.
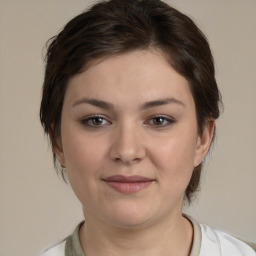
128,142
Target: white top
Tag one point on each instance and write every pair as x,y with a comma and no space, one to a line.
56,250
207,242
217,243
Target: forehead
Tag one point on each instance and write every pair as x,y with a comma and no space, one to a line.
140,75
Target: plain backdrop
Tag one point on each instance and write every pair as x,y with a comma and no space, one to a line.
36,207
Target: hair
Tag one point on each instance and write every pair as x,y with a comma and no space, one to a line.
115,27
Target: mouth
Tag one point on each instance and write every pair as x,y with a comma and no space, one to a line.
128,184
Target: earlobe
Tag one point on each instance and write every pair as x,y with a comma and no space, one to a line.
204,142
60,155
58,149
61,159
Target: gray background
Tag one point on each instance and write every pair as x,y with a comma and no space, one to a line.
37,208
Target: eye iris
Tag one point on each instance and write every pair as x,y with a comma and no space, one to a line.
97,120
158,120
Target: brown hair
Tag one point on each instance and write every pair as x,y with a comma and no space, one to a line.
115,27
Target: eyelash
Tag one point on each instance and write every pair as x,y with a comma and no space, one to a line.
167,121
88,121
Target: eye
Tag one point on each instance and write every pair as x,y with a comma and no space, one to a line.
95,121
160,121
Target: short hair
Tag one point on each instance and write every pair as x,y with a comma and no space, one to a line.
115,27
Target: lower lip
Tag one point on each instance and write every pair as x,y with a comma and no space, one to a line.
129,187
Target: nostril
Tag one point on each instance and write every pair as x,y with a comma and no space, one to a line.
117,159
127,161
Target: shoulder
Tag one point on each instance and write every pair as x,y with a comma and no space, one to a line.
68,246
56,250
220,243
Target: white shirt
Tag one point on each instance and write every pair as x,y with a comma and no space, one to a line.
207,242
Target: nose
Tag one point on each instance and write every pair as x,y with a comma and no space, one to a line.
128,147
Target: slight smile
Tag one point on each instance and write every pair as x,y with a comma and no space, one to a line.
128,184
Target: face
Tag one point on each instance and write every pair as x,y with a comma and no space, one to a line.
129,139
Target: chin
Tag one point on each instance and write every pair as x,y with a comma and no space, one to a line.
131,218
131,224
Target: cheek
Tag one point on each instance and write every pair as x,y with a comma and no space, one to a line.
83,153
84,157
175,158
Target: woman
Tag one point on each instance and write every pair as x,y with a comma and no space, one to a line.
129,103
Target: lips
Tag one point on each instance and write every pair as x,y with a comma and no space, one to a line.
128,184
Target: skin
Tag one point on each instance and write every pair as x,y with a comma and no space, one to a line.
150,130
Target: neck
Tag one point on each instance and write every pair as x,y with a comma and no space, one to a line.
168,238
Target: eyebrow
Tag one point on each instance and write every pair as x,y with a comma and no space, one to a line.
161,102
106,105
94,102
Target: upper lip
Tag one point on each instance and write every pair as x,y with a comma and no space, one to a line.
128,179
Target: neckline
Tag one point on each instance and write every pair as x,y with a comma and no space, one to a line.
196,244
197,236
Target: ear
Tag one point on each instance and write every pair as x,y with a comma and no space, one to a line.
60,154
58,149
204,141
